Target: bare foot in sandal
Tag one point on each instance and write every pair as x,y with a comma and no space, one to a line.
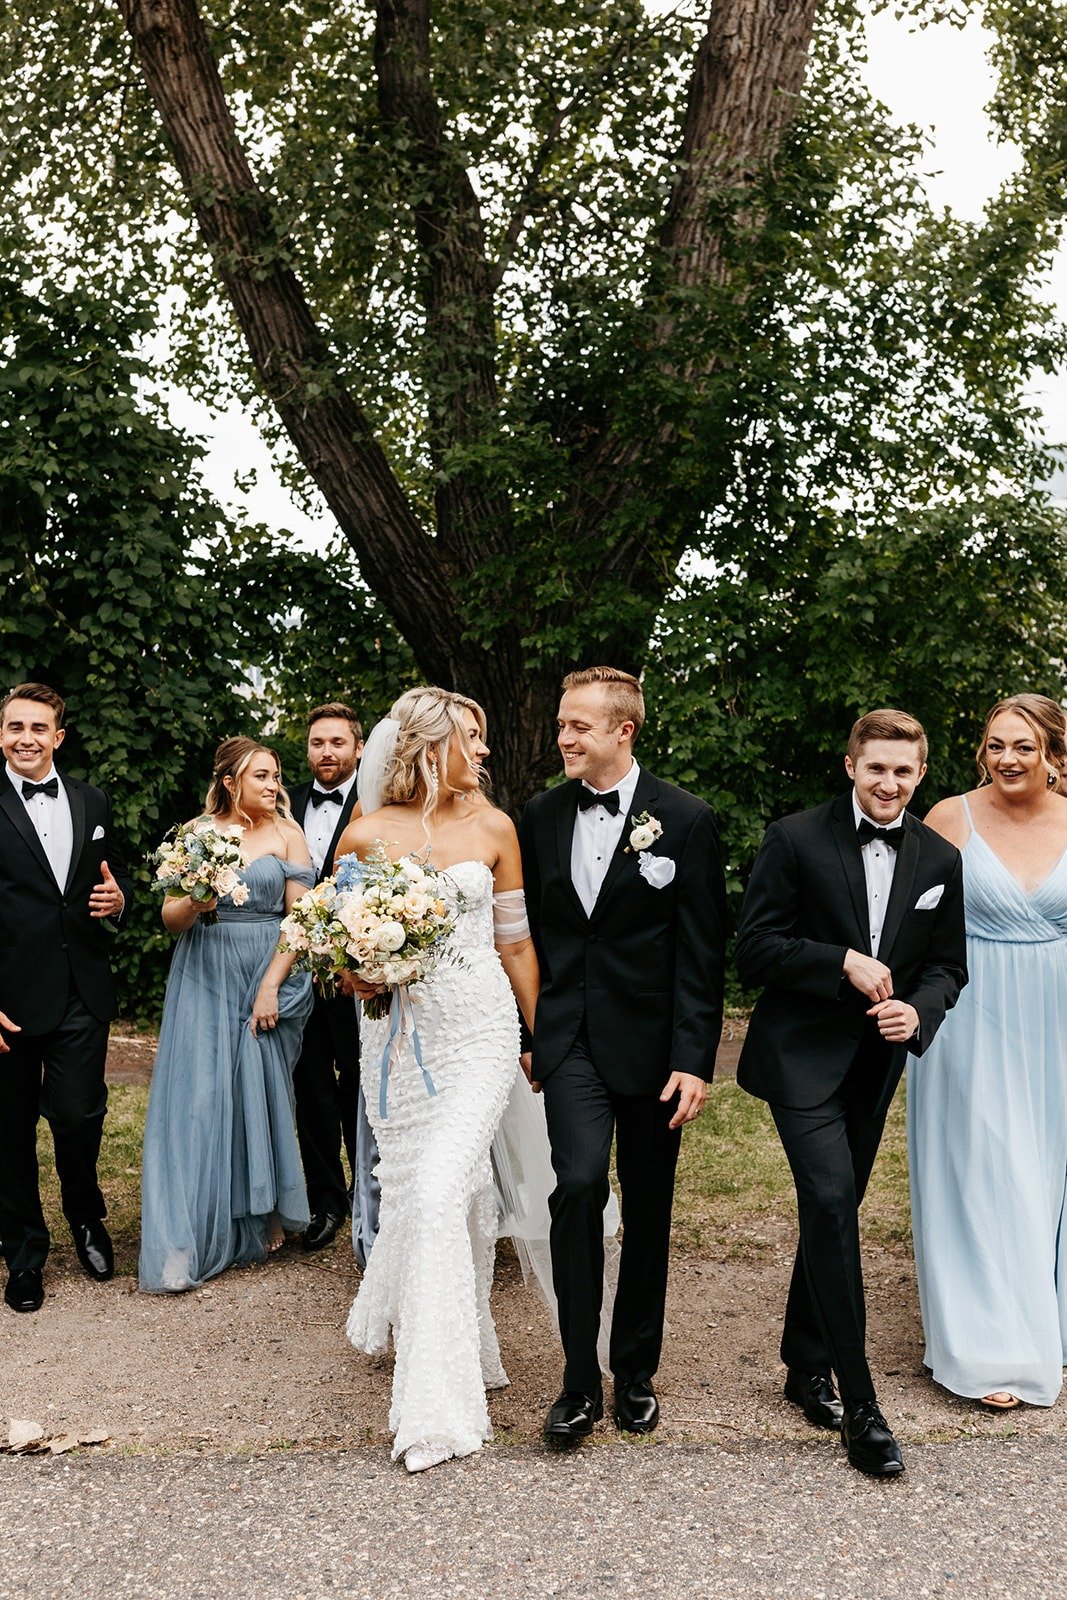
1000,1400
275,1233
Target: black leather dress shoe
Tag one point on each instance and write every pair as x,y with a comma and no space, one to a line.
636,1407
816,1396
24,1290
320,1231
868,1440
93,1244
572,1417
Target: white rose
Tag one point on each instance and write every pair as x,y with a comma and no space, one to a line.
642,837
391,936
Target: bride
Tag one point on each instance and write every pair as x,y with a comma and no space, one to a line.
430,1273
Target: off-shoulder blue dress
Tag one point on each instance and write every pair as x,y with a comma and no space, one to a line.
220,1150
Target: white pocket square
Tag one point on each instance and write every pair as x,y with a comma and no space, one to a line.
656,870
932,898
98,833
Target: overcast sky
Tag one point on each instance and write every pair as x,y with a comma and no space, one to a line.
938,78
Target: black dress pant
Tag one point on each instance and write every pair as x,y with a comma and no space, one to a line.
831,1150
326,1085
60,1076
582,1114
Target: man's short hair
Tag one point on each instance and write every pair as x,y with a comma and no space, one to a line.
35,691
887,724
336,708
624,699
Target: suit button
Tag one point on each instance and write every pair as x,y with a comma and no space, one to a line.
592,939
63,947
581,981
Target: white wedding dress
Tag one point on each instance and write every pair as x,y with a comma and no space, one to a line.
430,1273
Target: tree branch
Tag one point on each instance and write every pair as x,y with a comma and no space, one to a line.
456,286
327,426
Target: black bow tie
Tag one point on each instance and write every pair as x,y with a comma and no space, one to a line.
319,797
588,798
50,788
866,831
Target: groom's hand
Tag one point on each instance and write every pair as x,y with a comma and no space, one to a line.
11,1027
692,1093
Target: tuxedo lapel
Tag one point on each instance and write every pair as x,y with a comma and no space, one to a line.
76,800
566,812
644,800
903,885
16,810
342,823
844,828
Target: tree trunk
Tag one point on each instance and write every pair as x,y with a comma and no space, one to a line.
747,74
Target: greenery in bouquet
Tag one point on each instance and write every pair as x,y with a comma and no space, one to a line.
382,920
202,861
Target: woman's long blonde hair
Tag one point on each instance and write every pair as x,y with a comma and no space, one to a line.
232,759
429,720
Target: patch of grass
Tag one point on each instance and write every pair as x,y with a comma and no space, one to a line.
733,1173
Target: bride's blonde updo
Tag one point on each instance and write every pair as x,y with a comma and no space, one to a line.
429,720
232,760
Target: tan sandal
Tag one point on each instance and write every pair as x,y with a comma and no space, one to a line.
1000,1400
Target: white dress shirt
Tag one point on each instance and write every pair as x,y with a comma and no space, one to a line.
320,822
879,865
596,837
52,821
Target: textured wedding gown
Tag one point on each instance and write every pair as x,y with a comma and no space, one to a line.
987,1140
430,1273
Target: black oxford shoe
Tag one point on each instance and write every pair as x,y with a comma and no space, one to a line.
636,1407
24,1290
93,1244
816,1396
572,1417
320,1231
870,1444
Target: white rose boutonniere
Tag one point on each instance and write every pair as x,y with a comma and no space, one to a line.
646,830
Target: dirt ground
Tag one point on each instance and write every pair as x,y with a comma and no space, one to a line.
258,1358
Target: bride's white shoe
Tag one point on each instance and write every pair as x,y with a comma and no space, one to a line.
419,1457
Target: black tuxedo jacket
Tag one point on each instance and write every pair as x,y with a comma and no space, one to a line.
806,904
47,937
298,803
645,970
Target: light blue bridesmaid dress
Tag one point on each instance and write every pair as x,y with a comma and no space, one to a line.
987,1141
220,1150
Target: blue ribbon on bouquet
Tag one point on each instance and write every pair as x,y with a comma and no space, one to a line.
401,1016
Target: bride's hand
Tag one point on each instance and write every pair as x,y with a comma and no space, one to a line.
526,1063
365,991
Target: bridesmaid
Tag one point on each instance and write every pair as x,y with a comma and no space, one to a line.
222,1178
987,1103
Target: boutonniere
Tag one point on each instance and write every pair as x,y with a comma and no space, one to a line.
646,830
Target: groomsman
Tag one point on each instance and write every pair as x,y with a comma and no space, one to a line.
62,878
626,901
852,925
326,1077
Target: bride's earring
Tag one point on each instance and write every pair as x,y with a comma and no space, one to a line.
434,783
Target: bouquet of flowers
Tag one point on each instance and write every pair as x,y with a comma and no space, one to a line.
202,861
382,920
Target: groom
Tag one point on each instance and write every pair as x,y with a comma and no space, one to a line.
626,901
852,924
